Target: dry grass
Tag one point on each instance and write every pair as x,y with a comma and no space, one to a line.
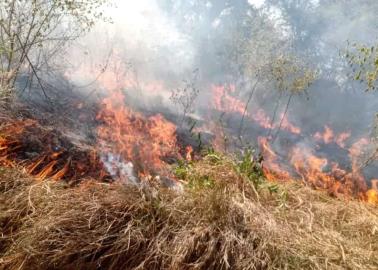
219,221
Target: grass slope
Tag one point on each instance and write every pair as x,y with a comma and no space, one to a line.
226,217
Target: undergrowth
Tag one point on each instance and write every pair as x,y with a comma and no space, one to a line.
227,217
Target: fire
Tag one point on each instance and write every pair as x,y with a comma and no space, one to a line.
320,172
130,145
341,138
21,145
262,119
372,194
133,138
272,167
287,125
133,146
328,136
311,168
224,101
189,153
301,161
9,142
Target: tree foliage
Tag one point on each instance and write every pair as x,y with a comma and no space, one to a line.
33,31
363,60
292,75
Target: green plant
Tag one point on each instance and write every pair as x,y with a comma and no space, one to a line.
248,166
212,155
181,170
201,182
282,198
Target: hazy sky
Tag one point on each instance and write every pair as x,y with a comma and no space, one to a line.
144,21
144,13
257,3
140,19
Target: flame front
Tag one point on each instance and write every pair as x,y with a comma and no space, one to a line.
319,172
301,161
132,145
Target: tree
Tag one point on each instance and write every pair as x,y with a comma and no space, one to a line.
363,60
292,76
34,31
185,97
237,44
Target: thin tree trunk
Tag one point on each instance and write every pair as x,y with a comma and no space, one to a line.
275,114
283,117
246,106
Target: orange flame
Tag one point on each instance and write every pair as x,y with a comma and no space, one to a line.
144,141
189,153
45,161
287,125
320,173
328,136
224,101
372,194
272,168
317,171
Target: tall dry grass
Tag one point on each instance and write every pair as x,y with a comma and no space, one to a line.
221,220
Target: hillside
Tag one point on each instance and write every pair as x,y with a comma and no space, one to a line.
161,134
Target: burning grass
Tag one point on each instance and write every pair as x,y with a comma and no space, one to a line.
47,153
227,217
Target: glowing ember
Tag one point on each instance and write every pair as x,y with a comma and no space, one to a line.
372,194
